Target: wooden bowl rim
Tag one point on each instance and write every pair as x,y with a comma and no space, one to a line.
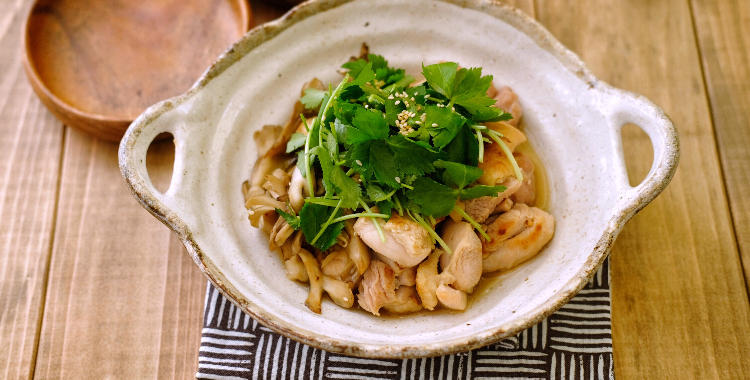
40,87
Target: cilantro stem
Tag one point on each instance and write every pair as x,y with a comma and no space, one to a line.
418,218
496,136
322,201
374,221
398,206
473,222
407,186
372,90
360,215
481,146
327,223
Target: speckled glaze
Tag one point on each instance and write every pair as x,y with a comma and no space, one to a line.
573,121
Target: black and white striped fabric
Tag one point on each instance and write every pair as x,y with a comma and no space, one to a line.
573,343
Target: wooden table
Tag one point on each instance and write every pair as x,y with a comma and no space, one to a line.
92,286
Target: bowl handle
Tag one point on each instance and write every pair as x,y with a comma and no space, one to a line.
624,108
132,158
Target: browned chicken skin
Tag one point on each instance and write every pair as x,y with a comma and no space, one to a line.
517,235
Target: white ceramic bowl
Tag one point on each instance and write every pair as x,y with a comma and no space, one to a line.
573,120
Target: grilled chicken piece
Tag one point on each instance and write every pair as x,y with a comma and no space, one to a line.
496,167
405,301
481,208
465,262
406,242
517,236
428,279
339,266
526,193
451,298
507,100
377,288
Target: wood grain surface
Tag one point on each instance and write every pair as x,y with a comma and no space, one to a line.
677,285
92,286
723,32
30,142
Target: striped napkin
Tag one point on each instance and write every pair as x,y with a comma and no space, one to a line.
573,343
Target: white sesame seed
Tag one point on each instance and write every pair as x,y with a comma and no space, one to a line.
418,122
390,97
427,96
367,106
434,124
358,162
397,102
398,179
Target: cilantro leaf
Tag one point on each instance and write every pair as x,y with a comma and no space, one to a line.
385,207
337,182
441,76
312,98
365,75
458,175
443,124
412,159
383,163
355,67
366,125
292,219
376,193
296,141
464,148
481,191
312,218
433,198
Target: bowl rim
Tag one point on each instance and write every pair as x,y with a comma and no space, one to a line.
647,190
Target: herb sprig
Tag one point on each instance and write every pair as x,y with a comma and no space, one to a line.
381,144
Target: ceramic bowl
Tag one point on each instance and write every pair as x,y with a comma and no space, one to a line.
572,119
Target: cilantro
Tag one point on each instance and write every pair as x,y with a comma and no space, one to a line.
433,198
466,88
313,221
458,175
337,182
366,125
441,76
443,124
312,98
292,219
296,141
411,158
376,193
481,191
464,148
384,164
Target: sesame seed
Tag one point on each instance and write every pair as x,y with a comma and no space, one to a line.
398,179
427,96
390,97
397,102
358,162
367,106
434,124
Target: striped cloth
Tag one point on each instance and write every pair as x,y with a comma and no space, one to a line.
573,343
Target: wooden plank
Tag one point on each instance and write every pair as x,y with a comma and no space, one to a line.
723,31
124,300
679,302
31,141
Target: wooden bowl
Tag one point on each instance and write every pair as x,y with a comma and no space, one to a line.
99,64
